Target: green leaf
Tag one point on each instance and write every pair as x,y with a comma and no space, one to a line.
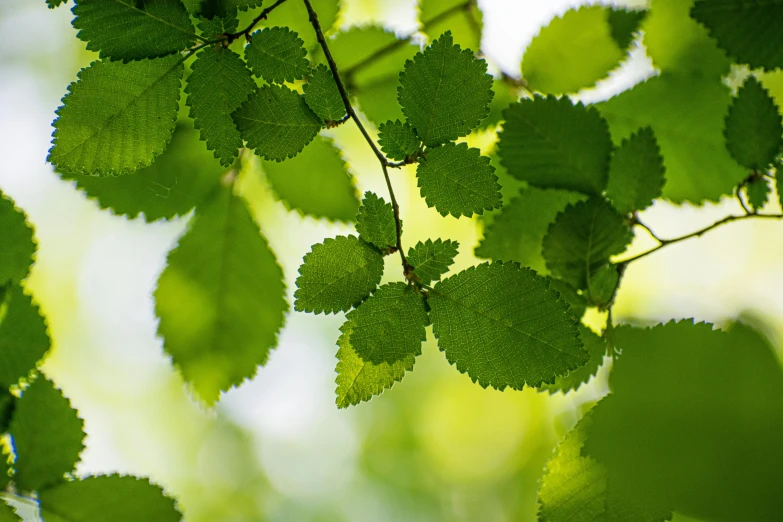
221,299
758,193
293,14
117,117
457,180
398,140
24,339
133,29
177,181
576,488
517,232
221,8
358,380
552,143
389,326
219,84
47,436
464,21
108,498
503,326
636,172
573,380
276,122
18,243
577,49
277,55
432,259
582,239
337,275
53,4
322,95
375,222
7,513
444,92
688,425
754,128
731,22
213,28
315,183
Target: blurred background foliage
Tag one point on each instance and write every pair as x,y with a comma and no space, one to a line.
436,447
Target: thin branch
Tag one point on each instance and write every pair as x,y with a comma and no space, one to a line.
742,201
349,109
637,221
230,37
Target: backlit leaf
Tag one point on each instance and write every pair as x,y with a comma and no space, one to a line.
277,55
432,259
375,222
754,127
636,172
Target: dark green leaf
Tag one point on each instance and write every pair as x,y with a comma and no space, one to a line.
758,192
624,24
55,3
398,140
221,8
212,28
636,172
432,259
375,222
277,55
322,95
754,128
18,245
573,380
24,339
7,406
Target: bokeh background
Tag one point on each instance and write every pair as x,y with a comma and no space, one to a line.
435,447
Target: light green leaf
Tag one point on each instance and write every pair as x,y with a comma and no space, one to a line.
432,259
503,326
219,84
464,21
17,248
444,92
7,513
221,298
573,380
276,122
457,180
754,128
389,326
277,55
517,232
552,143
24,339
758,192
47,436
132,29
117,117
108,498
731,22
398,140
359,380
375,222
688,424
582,239
322,95
293,14
636,172
579,48
315,183
337,275
177,181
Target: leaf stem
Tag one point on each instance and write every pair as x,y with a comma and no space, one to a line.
230,37
407,269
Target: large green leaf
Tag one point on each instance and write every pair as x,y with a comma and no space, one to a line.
17,246
503,326
375,222
177,181
432,259
133,29
464,20
117,117
277,55
47,436
24,339
221,299
754,127
444,91
636,172
553,143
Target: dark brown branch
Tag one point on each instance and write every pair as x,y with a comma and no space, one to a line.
230,37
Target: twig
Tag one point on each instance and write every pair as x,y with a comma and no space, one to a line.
230,37
637,221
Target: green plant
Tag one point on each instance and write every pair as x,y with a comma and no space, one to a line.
560,195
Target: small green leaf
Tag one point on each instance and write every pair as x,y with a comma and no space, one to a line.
375,222
132,30
117,117
503,326
389,326
573,380
582,239
444,92
337,275
47,436
432,259
398,140
552,143
55,3
624,24
636,172
463,19
276,122
315,183
213,28
221,298
218,84
457,180
108,498
277,55
754,128
758,193
358,380
24,339
322,95
17,247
